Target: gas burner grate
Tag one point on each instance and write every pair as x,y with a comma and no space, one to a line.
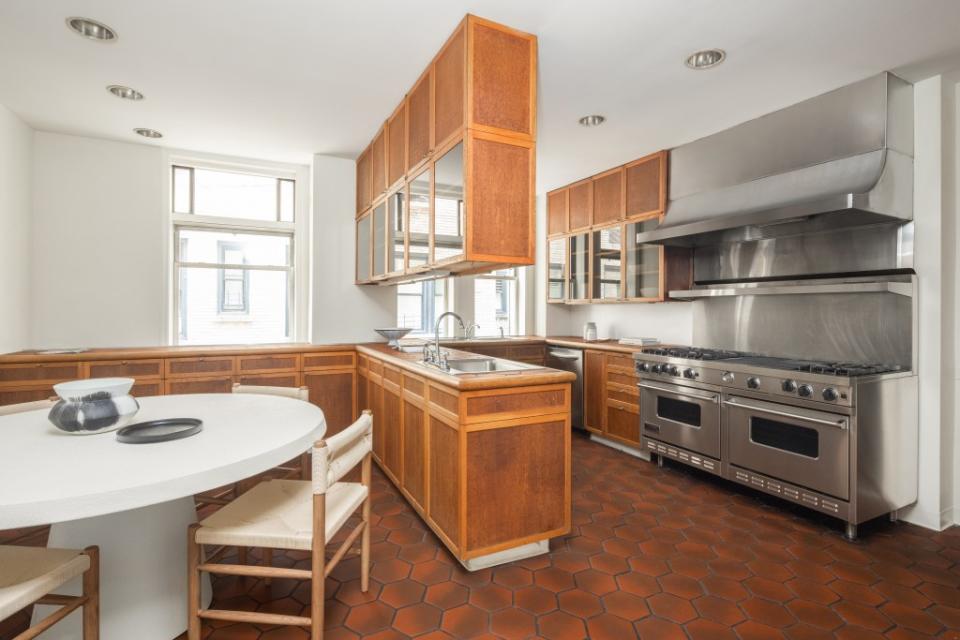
846,369
691,353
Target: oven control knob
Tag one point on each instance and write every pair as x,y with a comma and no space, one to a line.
805,391
657,368
689,373
753,383
727,376
790,386
643,366
671,369
830,394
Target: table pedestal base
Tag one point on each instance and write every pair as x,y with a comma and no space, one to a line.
143,572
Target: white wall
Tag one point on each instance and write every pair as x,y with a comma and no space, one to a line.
16,149
97,256
342,311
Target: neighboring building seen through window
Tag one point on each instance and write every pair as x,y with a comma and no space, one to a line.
233,256
495,300
419,304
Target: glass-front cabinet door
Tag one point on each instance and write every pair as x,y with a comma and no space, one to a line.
380,239
363,248
605,271
448,207
418,221
395,235
643,263
579,256
557,270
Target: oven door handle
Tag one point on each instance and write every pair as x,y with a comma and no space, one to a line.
743,404
684,393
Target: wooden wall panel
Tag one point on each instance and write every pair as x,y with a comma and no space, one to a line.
449,73
581,205
500,192
502,67
418,121
414,452
333,391
444,473
535,480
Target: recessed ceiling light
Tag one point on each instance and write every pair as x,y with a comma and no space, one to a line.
148,133
92,29
125,92
592,121
706,59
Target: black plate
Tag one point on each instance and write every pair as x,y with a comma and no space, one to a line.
160,430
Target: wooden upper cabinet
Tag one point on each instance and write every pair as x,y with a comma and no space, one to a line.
581,205
449,96
364,186
503,83
378,164
557,202
646,185
608,196
419,129
397,145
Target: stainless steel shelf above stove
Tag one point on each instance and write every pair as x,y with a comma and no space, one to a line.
899,287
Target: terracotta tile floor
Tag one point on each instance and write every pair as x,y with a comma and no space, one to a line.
654,553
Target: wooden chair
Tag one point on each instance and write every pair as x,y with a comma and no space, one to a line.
291,514
30,574
11,409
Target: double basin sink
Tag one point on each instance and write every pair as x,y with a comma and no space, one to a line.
461,366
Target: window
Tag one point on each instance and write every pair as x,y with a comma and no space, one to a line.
495,301
419,304
234,258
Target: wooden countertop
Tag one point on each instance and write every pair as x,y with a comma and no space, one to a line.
467,381
597,345
133,353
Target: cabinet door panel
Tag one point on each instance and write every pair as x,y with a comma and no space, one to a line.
333,391
396,245
449,223
396,145
364,244
581,205
291,379
557,270
449,88
393,440
557,203
414,452
608,197
363,392
606,266
203,366
220,384
364,185
125,369
40,372
444,455
646,185
593,390
500,203
268,363
579,257
378,164
379,424
419,206
380,239
418,121
502,68
643,263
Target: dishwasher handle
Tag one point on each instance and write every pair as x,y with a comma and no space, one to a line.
564,354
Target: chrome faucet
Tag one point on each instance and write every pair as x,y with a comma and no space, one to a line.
471,330
440,360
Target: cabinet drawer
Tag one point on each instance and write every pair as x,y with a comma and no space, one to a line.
622,423
362,362
392,376
124,369
268,363
620,361
375,367
20,374
621,379
221,384
25,394
146,388
626,395
533,353
414,386
329,360
205,366
291,379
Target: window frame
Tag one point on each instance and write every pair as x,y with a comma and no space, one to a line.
298,280
513,301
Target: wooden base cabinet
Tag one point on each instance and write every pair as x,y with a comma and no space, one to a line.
611,396
487,470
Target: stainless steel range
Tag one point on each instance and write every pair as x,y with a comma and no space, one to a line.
834,437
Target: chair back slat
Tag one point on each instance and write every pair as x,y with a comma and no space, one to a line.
340,453
298,393
11,409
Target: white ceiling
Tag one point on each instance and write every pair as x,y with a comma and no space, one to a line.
283,79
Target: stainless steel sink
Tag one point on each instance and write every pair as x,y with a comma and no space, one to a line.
485,365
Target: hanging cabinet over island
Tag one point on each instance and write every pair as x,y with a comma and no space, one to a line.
452,168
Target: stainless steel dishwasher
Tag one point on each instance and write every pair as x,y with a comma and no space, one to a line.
570,360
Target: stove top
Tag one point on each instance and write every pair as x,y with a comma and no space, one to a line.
844,369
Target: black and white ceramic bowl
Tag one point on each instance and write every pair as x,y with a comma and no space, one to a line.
93,406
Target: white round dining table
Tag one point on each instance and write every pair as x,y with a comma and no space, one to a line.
135,501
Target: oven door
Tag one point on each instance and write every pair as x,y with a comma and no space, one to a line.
801,446
681,416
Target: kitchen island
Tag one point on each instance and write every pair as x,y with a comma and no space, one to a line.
483,458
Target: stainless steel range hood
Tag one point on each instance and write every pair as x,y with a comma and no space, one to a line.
842,159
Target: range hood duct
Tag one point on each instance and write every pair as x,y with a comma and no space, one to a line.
841,159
